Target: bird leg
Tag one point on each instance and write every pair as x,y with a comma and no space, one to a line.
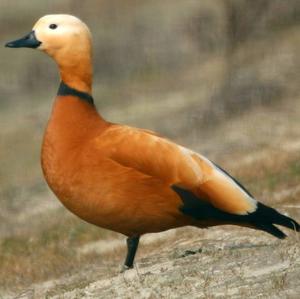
132,245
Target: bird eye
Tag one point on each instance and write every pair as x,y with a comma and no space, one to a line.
52,26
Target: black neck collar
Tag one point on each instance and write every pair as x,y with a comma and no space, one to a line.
65,90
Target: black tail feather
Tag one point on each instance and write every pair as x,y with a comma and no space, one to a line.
263,218
271,229
266,215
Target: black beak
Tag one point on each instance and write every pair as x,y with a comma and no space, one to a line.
28,41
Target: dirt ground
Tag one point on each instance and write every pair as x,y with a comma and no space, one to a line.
227,263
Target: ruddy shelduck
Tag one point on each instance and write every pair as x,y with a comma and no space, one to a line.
125,179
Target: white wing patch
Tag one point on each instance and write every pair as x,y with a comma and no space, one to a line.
194,165
252,202
218,172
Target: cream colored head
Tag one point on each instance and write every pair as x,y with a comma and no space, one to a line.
68,40
63,35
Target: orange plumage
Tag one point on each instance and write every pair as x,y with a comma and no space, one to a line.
125,179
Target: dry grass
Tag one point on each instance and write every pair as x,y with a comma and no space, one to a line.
51,252
278,172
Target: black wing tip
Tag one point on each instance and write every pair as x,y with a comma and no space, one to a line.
271,229
296,226
265,217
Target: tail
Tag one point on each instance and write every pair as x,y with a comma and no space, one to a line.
265,217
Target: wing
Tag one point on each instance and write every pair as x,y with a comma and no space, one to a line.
176,166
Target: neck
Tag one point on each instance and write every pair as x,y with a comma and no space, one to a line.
77,73
65,90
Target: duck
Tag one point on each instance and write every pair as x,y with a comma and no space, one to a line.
129,180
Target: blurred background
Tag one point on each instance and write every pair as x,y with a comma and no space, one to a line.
221,77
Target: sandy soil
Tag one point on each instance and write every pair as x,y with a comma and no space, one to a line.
216,263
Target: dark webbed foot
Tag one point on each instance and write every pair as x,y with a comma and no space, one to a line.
132,245
125,268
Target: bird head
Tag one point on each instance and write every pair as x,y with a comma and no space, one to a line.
68,41
61,36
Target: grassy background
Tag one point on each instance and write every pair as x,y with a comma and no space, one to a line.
221,77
